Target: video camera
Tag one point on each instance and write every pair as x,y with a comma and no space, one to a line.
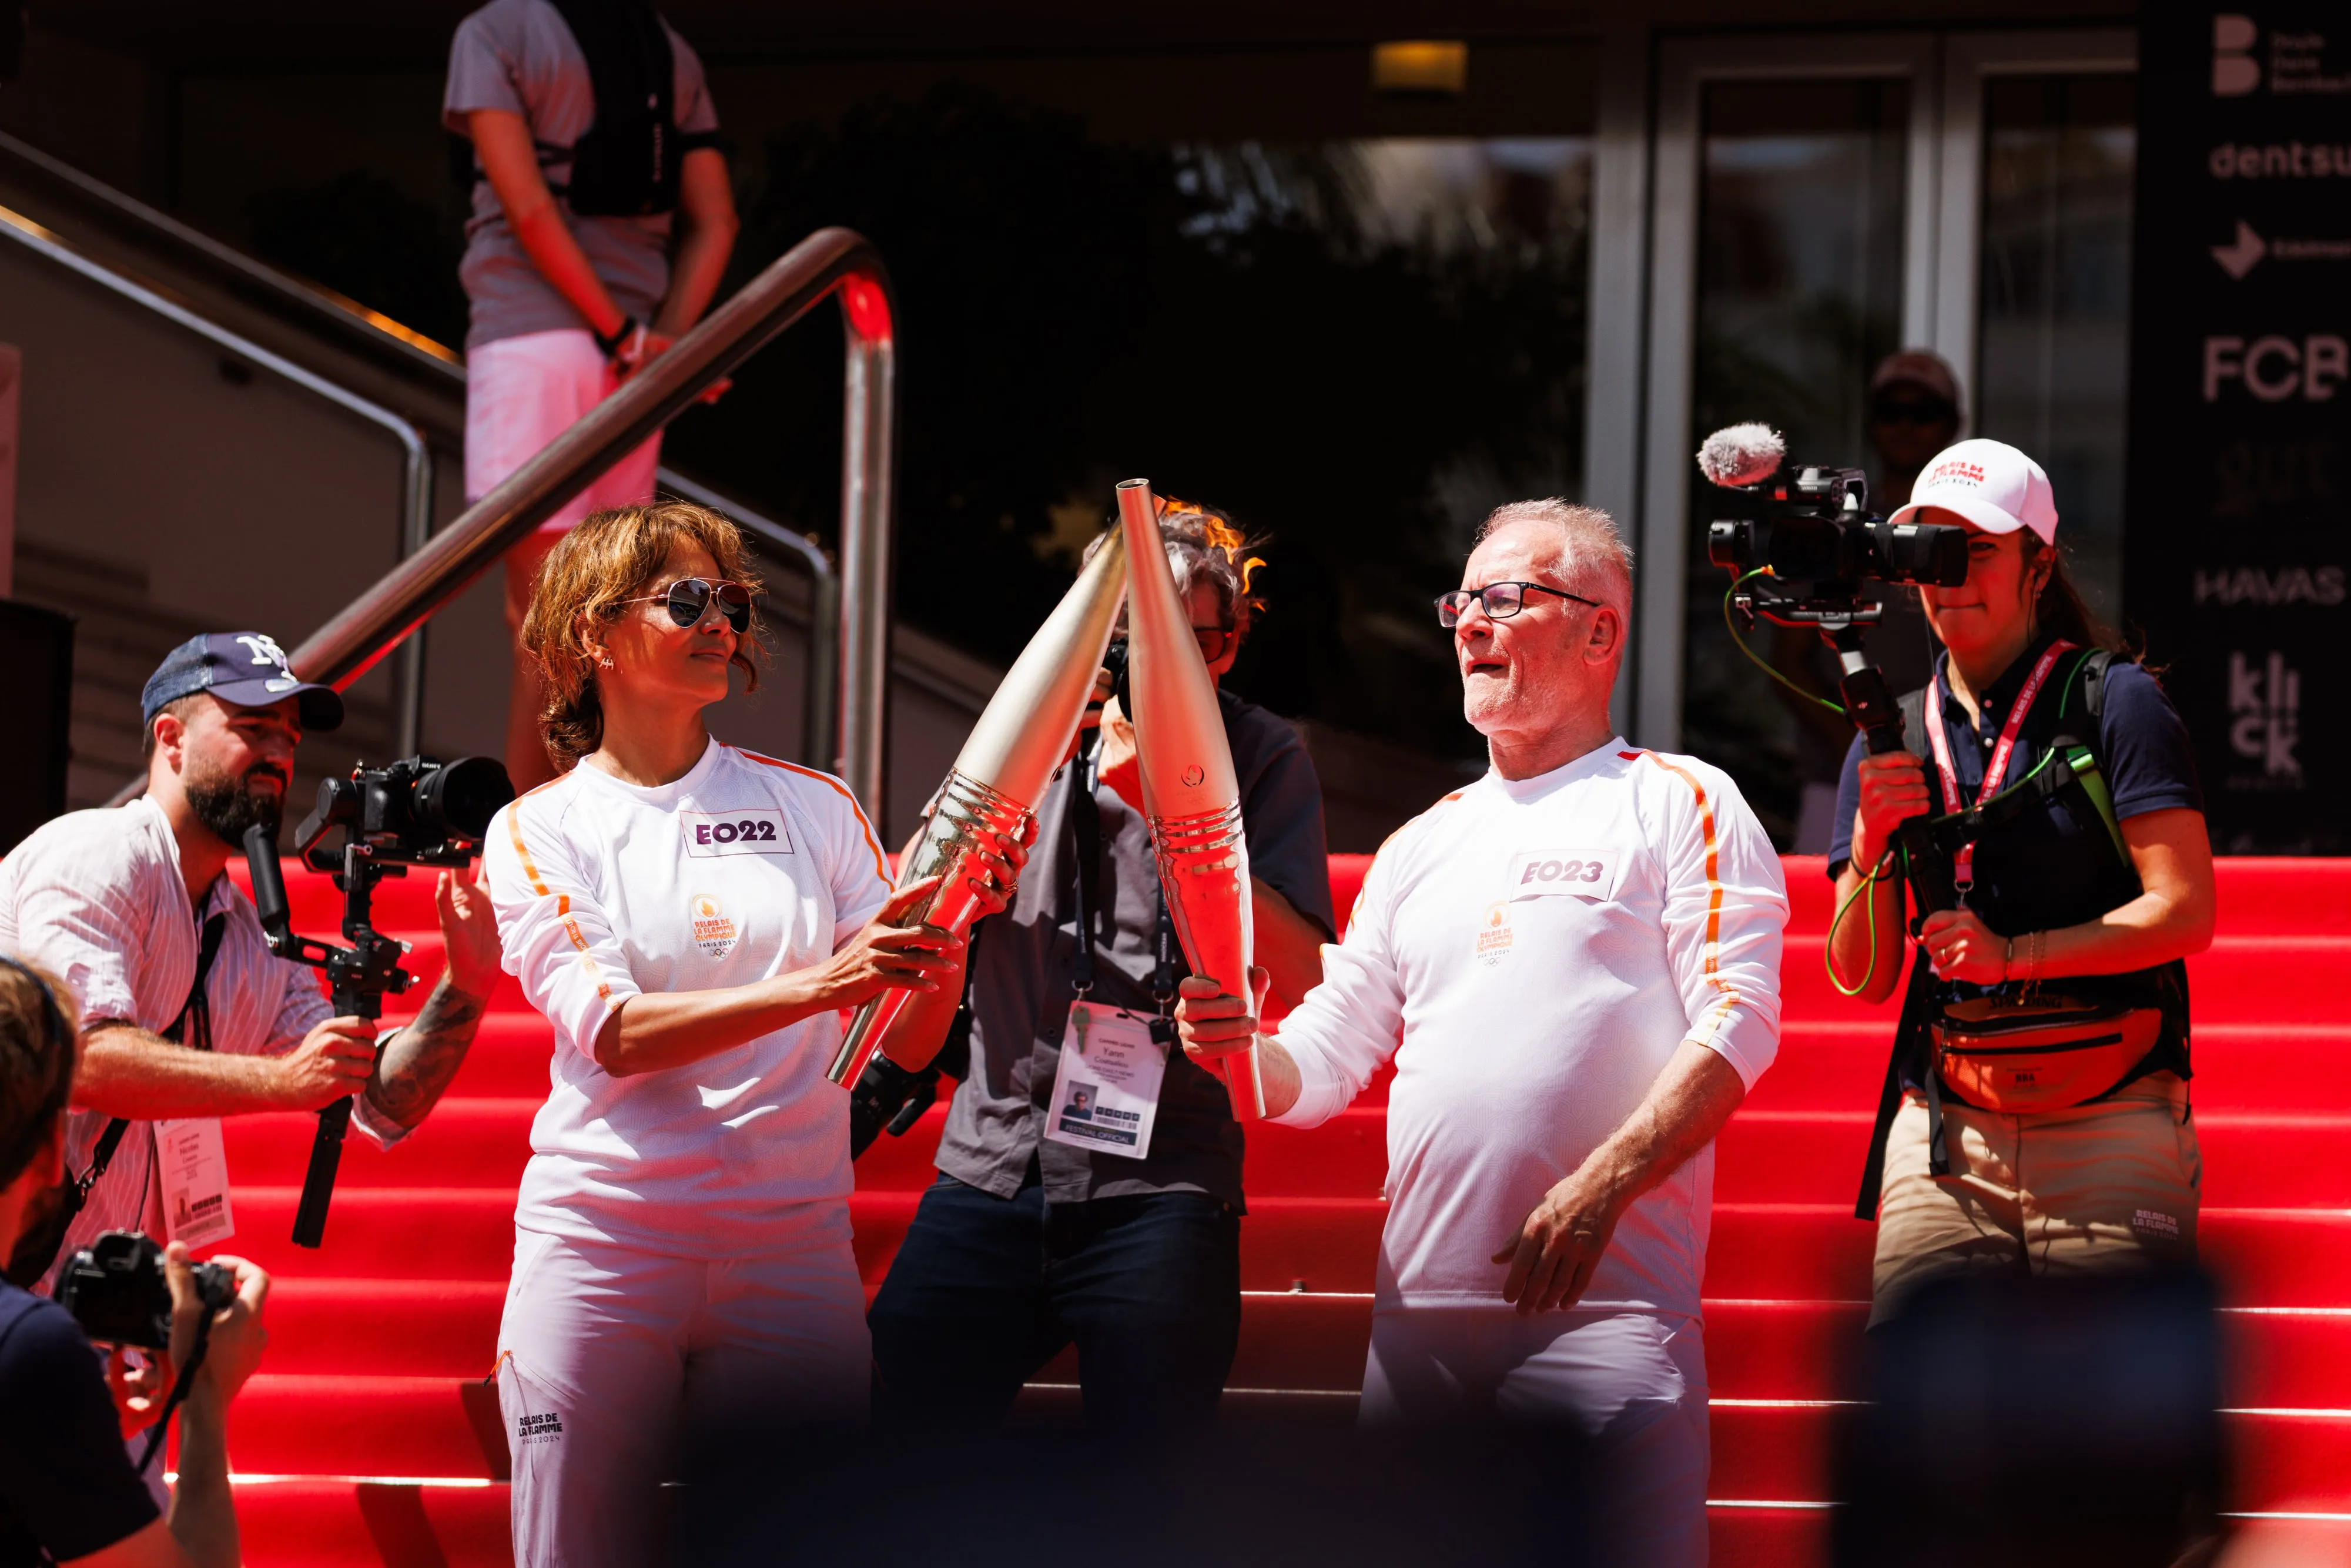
116,1290
1800,546
415,811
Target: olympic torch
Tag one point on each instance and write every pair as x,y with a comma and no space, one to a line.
999,777
1189,792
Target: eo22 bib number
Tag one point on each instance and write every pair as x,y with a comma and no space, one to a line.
751,832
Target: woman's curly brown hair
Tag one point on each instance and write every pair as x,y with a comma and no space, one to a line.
612,557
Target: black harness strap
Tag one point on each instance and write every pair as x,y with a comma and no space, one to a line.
38,1249
1911,1035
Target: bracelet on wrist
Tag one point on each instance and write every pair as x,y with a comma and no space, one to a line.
621,334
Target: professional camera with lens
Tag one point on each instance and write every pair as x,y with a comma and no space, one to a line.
116,1290
416,812
1799,542
1816,529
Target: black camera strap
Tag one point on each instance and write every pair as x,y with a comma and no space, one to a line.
38,1249
1086,854
182,1384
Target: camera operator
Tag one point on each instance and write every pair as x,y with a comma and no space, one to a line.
2036,1110
188,1015
1027,1242
68,1491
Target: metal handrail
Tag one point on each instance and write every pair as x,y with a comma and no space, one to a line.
831,261
416,479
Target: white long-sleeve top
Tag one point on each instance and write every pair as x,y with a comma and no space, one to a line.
743,869
97,898
1531,952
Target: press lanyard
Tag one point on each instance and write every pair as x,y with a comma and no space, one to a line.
1085,835
1963,862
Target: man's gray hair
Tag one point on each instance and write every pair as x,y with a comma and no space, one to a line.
1594,559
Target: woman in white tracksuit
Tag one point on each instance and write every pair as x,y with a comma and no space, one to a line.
690,918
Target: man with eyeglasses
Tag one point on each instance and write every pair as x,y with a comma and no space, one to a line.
1575,965
1117,1228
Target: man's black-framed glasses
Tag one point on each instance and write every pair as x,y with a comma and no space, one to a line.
1501,601
688,601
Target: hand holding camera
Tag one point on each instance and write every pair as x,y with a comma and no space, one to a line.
127,1292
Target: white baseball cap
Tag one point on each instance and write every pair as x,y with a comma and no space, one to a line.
1988,483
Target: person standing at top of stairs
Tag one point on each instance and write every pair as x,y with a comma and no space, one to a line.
1574,963
2035,1109
602,221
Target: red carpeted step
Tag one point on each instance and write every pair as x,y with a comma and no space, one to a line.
426,1328
349,1425
2265,1256
1840,1065
1766,1535
2256,894
465,1142
508,1058
2251,1159
337,1524
1779,1450
2265,979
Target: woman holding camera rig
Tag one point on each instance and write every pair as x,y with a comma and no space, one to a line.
2036,1108
691,918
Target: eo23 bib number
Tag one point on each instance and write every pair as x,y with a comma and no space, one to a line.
751,832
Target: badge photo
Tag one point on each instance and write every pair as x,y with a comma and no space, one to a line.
753,830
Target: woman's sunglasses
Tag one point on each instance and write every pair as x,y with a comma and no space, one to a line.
689,598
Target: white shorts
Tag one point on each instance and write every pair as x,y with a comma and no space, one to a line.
520,394
615,1364
1632,1384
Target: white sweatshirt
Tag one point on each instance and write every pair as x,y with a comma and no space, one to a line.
1532,952
744,868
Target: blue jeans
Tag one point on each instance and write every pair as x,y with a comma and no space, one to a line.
987,1289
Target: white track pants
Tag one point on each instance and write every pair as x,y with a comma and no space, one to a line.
1630,1384
612,1360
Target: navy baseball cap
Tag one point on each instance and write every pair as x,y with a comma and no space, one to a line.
242,668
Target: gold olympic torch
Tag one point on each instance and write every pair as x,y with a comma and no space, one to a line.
999,777
1190,795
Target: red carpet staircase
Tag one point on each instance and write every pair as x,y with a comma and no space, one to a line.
361,1441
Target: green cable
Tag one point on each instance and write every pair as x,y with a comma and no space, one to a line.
1828,949
1739,643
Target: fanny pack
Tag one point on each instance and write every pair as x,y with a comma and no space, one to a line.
2050,1053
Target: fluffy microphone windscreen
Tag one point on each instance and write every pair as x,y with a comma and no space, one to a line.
1740,455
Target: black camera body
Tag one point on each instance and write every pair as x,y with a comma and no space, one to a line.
1814,528
116,1290
415,811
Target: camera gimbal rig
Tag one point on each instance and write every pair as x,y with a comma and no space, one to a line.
412,812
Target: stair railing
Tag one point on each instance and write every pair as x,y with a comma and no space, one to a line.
832,261
416,473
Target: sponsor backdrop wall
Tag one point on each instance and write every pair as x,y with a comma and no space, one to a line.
2240,471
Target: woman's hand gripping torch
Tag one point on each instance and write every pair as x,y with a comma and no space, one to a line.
1190,795
998,779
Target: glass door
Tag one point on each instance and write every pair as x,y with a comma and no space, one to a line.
1819,206
1794,219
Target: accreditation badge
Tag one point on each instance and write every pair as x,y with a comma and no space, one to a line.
1106,1089
192,1160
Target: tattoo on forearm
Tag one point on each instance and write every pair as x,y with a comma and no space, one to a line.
423,1058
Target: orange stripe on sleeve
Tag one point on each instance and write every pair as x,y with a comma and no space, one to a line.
562,900
881,862
1713,867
